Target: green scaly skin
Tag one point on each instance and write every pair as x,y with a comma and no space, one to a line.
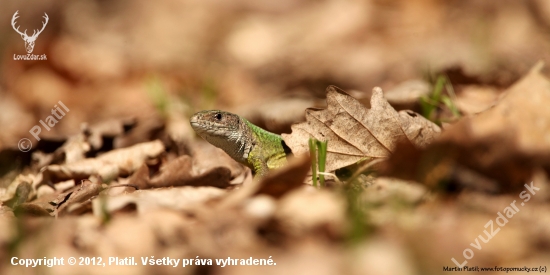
243,141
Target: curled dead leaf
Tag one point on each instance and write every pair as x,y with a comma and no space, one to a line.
86,190
119,162
179,172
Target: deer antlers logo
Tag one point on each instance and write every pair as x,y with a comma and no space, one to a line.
29,40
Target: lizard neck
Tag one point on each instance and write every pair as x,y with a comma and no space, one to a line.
259,135
267,146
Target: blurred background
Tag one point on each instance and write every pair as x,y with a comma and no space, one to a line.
267,60
160,61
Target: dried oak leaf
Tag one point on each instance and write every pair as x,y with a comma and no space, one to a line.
355,132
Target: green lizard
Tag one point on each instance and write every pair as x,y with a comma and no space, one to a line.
241,140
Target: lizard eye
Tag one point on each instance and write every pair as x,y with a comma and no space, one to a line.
219,116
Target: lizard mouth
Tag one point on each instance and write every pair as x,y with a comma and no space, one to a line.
197,127
195,123
200,128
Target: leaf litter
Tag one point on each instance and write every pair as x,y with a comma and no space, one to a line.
206,204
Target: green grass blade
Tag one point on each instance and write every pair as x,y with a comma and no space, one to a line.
322,151
313,156
430,103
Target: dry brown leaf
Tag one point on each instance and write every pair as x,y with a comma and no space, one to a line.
15,192
115,163
355,132
86,190
34,210
90,139
282,181
40,204
522,111
75,148
22,194
475,99
494,151
179,172
109,129
275,184
207,157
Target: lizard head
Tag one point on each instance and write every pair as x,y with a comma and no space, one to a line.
219,128
223,130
